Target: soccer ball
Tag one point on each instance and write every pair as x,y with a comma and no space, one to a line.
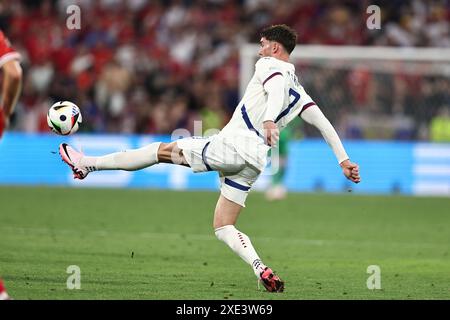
64,118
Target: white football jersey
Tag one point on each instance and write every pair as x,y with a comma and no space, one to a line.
245,128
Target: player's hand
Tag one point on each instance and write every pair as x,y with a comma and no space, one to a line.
351,171
271,133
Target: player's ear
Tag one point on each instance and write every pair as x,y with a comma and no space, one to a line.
275,47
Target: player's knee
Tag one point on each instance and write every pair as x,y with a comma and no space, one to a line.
164,152
162,147
170,153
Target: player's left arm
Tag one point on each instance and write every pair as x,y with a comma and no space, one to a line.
12,85
313,115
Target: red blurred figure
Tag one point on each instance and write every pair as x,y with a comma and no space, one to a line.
3,294
12,81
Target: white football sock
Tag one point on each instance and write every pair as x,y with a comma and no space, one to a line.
241,244
129,160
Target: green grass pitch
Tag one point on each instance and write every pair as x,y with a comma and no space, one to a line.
147,244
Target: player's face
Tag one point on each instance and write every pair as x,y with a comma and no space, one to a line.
266,47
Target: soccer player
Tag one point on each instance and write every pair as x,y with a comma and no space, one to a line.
12,81
238,152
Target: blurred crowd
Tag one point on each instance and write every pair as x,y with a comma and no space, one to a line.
142,66
383,100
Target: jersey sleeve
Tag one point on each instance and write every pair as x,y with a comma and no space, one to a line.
7,52
305,101
266,69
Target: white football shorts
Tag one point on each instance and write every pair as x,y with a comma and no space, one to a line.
217,154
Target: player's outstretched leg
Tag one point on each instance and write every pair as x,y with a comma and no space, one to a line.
225,217
128,160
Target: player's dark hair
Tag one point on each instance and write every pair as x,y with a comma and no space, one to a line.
282,34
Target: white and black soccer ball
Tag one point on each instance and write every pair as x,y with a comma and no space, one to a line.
64,118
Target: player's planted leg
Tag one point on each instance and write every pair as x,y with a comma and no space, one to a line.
225,218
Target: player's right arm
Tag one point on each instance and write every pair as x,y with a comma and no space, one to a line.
314,116
273,83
